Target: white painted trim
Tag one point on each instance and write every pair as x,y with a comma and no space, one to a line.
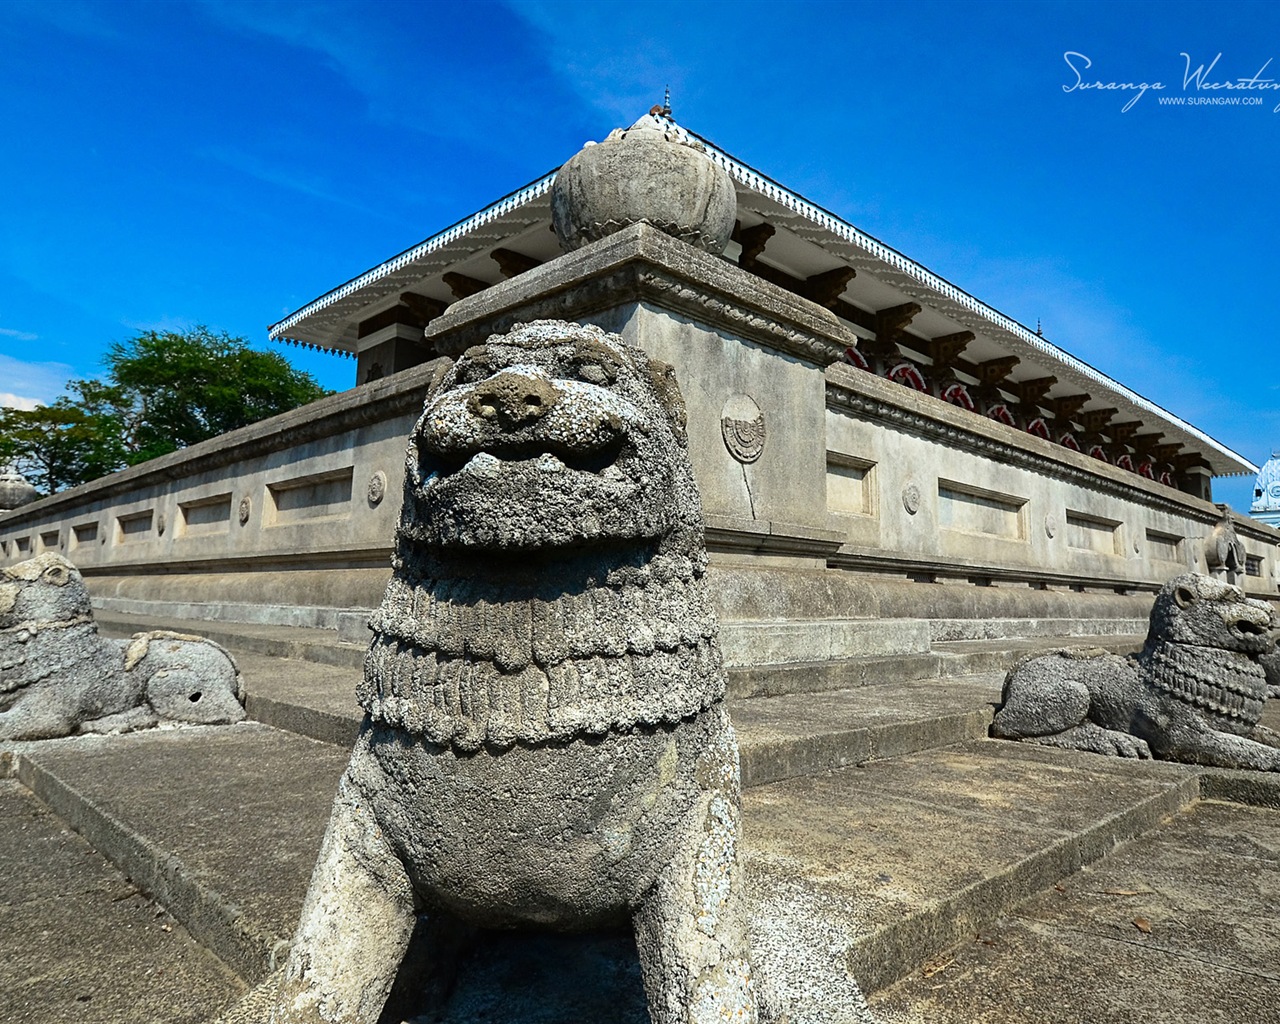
514,201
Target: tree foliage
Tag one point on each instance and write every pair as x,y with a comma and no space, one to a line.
162,391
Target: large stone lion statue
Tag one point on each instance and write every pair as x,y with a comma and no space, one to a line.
1193,693
58,676
545,744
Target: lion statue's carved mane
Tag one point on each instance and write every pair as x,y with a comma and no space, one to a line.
1193,693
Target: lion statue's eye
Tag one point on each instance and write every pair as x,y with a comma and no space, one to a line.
471,372
597,372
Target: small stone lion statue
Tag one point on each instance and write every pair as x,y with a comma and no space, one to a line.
545,745
1194,692
58,676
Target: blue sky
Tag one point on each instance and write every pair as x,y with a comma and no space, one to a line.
167,164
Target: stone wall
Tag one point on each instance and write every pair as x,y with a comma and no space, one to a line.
831,495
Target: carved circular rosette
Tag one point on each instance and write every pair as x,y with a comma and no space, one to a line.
377,488
742,426
911,499
1050,524
246,506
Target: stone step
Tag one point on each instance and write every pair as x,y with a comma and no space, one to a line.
779,737
800,730
904,857
876,869
220,825
80,943
917,660
1178,927
944,660
804,734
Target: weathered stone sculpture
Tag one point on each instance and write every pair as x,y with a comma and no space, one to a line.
545,743
1193,693
14,490
652,172
59,677
1271,666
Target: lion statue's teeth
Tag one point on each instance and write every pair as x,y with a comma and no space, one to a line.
482,464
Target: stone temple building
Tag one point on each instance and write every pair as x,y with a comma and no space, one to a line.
861,429
903,491
1266,492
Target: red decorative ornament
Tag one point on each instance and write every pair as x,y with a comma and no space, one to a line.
908,376
958,394
1001,414
855,358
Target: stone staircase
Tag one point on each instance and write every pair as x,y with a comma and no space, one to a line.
883,831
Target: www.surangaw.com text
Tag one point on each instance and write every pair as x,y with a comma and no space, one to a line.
1202,84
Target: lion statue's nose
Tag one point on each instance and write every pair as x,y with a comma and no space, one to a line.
513,399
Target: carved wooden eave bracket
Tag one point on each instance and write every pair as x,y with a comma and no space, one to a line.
512,263
945,350
463,286
753,241
641,264
870,398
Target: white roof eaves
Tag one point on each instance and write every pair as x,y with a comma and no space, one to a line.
1005,328
947,298
521,197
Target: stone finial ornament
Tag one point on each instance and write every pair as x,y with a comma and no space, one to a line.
59,677
15,491
652,172
1193,693
546,744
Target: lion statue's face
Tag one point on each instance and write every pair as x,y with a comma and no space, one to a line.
46,588
1205,612
554,434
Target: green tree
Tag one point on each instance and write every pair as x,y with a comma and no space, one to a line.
162,392
185,388
63,444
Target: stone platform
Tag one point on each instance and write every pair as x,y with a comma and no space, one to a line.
883,832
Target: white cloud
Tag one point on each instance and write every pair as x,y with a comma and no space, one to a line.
27,382
9,332
10,401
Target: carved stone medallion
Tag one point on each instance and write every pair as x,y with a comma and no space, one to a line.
1050,524
377,488
742,424
911,499
246,506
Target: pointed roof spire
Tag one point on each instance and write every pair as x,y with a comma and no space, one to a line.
663,109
